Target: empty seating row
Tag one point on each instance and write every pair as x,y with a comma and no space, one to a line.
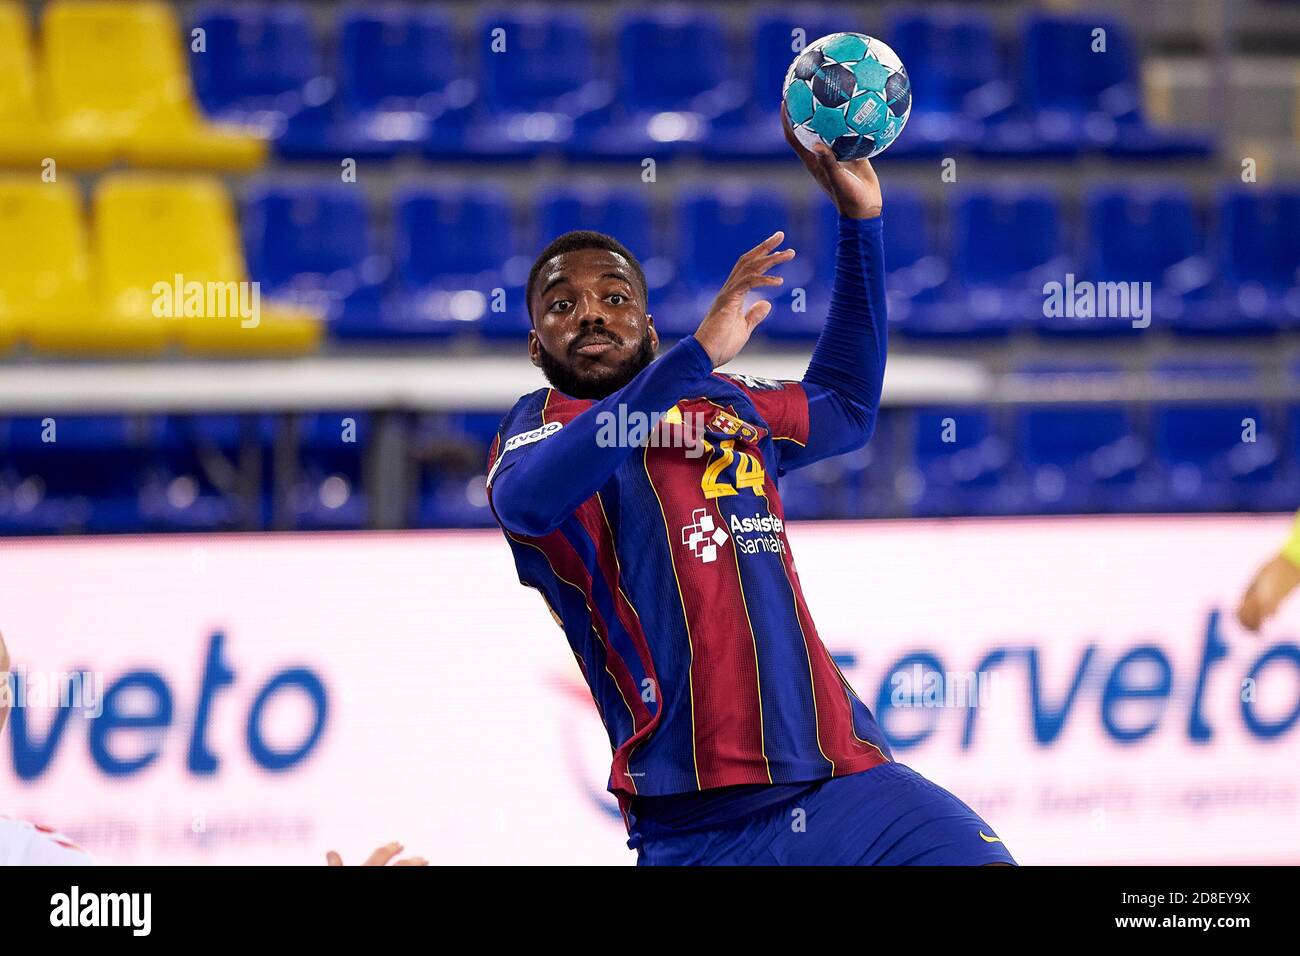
213,472
160,266
533,79
108,81
445,260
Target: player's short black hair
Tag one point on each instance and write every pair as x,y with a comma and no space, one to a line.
584,239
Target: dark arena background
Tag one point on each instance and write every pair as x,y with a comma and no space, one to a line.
262,274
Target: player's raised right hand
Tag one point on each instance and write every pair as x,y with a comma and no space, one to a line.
728,324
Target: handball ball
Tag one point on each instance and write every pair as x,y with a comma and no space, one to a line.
849,91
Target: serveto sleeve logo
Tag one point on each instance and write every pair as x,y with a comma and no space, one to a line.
523,438
537,434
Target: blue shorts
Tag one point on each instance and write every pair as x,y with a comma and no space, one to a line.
886,816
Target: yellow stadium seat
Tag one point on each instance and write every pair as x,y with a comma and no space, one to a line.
19,124
115,76
46,283
168,248
26,137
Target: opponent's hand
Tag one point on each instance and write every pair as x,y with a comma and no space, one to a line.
852,185
381,857
1272,583
727,325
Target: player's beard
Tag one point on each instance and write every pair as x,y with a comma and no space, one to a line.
600,380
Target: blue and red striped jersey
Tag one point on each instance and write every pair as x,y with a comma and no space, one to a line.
662,549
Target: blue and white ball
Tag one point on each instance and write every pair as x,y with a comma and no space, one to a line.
849,91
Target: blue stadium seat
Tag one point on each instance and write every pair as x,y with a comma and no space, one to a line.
915,271
1207,465
62,474
261,66
916,267
544,81
828,489
205,469
1076,97
752,130
313,244
1140,235
813,237
453,448
1293,422
1006,244
959,463
1293,434
625,214
1259,258
675,77
1079,458
330,492
716,226
403,81
1076,90
959,81
454,249
856,485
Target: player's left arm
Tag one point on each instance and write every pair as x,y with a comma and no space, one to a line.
833,409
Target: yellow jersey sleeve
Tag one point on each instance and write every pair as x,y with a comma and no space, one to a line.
1291,550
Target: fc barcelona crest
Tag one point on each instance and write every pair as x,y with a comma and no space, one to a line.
729,424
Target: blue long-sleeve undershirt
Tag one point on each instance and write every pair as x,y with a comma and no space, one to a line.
537,486
847,369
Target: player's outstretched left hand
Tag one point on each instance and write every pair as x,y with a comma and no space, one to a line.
381,857
1273,582
852,185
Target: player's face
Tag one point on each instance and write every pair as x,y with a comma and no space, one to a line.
591,333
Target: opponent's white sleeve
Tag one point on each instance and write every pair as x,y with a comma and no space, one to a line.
25,844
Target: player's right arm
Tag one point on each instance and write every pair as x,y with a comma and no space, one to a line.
1272,584
541,471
